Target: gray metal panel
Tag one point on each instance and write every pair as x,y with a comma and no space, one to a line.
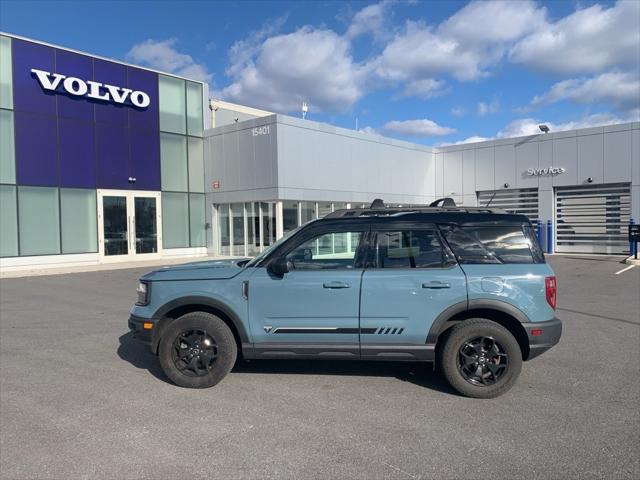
617,156
635,156
484,169
545,158
469,173
440,175
590,158
505,166
565,154
452,173
526,157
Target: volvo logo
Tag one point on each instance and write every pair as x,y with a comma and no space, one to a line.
96,90
538,172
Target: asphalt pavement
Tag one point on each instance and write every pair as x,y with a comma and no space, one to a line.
79,398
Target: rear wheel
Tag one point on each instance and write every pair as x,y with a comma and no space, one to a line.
480,358
197,350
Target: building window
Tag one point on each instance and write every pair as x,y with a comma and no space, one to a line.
223,228
196,220
268,224
171,91
237,223
194,109
38,220
289,216
196,164
78,220
307,211
173,160
7,148
175,220
8,221
6,90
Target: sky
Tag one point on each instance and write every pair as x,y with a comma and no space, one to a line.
431,72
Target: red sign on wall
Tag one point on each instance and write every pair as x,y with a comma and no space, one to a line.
215,184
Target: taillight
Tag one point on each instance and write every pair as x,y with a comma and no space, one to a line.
551,291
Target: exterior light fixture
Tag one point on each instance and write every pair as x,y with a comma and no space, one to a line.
590,180
506,185
543,128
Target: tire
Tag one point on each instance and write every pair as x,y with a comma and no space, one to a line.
197,350
480,358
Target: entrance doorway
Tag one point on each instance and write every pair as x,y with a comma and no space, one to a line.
128,225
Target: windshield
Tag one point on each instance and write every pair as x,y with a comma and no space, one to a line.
266,252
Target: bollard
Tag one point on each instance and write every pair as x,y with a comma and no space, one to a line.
539,227
633,246
549,237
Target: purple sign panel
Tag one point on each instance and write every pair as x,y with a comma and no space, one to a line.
84,122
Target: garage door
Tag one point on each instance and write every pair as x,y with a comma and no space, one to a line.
523,200
593,218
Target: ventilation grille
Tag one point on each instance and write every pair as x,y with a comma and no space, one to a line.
389,331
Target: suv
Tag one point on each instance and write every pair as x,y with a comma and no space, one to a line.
467,288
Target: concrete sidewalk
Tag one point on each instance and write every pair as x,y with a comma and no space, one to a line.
105,266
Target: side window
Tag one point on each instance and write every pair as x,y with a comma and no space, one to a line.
508,243
410,249
466,247
329,251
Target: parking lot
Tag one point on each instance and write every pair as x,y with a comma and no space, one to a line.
80,399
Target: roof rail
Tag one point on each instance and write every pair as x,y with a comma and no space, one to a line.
379,209
443,202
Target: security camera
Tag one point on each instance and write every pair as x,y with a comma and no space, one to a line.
235,119
506,185
589,180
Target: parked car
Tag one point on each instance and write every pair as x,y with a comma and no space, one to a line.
467,288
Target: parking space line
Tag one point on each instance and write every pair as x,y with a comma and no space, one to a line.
625,269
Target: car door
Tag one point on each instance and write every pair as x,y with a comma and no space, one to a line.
411,278
313,308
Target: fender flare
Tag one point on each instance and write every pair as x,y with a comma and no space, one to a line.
481,303
160,315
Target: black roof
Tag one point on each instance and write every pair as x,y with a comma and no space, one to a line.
460,215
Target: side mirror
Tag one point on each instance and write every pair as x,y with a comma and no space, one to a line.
279,266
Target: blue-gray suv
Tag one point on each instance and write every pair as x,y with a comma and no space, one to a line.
467,288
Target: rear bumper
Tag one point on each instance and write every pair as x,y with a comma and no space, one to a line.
542,336
136,326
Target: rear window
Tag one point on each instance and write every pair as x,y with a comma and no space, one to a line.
494,244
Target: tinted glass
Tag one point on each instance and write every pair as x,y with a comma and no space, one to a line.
410,249
7,148
289,216
8,221
6,91
508,243
197,220
115,225
78,220
172,104
146,228
175,220
38,221
466,247
173,160
536,249
315,255
194,109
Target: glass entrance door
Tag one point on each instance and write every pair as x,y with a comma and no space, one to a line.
128,224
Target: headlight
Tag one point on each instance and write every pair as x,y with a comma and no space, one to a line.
143,293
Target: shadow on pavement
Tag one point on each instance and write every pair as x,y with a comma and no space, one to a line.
421,374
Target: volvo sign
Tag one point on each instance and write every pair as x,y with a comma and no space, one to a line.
540,172
95,90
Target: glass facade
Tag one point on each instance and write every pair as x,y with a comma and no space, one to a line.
56,150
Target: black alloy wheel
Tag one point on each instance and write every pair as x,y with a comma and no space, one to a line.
194,352
482,361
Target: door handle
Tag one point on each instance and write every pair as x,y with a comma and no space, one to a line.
436,285
335,285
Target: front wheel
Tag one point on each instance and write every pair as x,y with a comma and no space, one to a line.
481,359
197,350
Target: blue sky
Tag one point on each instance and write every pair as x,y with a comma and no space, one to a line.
431,72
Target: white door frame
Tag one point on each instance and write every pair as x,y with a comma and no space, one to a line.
130,196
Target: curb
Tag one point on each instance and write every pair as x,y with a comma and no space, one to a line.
632,261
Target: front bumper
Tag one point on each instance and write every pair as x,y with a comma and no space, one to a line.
542,336
137,327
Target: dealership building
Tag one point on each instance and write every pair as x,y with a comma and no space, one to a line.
102,161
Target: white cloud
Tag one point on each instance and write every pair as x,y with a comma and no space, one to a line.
371,19
163,55
617,88
458,111
529,126
369,131
472,139
425,88
309,64
589,40
464,46
485,108
417,128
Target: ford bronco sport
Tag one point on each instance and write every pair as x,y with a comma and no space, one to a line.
467,288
